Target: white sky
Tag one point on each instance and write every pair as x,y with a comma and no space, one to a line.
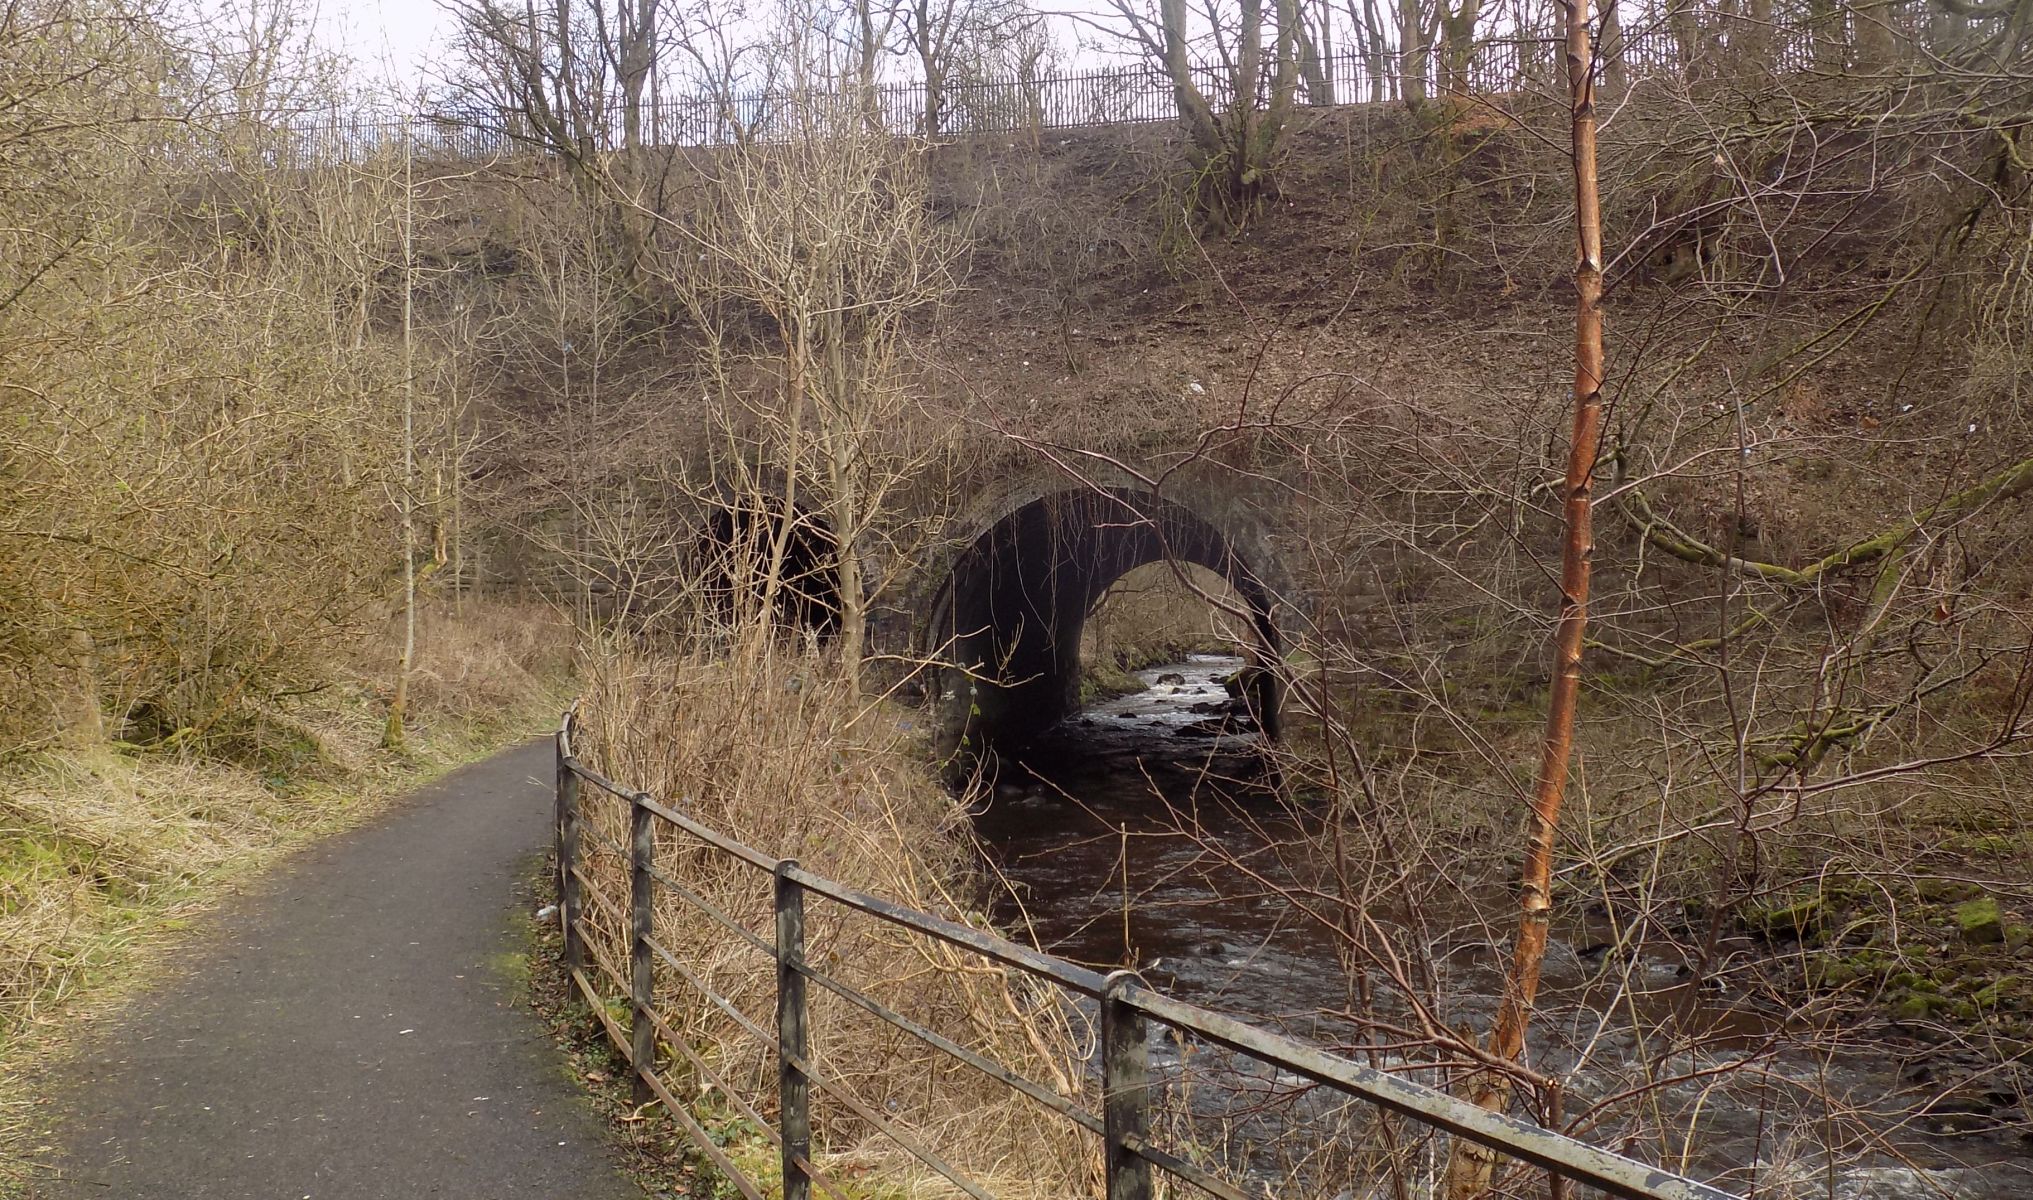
394,42
399,45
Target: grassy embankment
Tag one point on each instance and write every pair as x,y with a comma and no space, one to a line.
774,748
1150,617
108,853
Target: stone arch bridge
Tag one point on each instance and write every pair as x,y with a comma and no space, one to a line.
995,614
986,629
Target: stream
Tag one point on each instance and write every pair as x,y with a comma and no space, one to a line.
1202,916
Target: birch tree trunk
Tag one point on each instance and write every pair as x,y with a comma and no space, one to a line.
1470,1166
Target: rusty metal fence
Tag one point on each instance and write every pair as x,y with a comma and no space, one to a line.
971,107
1137,1165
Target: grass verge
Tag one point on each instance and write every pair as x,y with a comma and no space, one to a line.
108,853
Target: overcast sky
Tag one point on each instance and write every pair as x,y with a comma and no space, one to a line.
394,41
400,44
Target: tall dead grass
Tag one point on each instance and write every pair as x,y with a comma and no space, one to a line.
109,846
774,748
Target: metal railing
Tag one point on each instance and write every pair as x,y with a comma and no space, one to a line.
1133,1160
979,106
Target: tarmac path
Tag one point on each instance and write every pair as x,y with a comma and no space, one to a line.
348,1029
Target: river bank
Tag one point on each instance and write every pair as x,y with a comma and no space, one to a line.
1140,832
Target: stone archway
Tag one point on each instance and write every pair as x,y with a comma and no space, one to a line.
1007,613
739,542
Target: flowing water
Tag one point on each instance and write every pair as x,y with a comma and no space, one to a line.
1140,832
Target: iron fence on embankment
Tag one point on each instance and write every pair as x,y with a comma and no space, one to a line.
1135,1162
956,107
965,106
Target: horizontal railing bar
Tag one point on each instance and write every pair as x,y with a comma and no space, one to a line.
605,905
994,1070
769,1131
766,1036
1078,979
909,1143
597,779
700,1138
1067,975
598,1003
600,958
621,1042
814,1170
711,837
1513,1137
699,1064
1164,1160
714,911
611,845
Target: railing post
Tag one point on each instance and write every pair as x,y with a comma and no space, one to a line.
1125,1091
794,1113
568,860
558,806
641,922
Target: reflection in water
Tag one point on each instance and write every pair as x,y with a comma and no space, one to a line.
1140,833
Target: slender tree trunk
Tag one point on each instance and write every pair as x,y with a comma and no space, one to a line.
1370,45
932,63
1242,115
80,721
1615,73
1470,1167
842,467
935,97
1825,26
1193,107
637,34
1316,56
1457,52
1877,44
1684,19
457,452
868,53
1412,56
797,354
393,735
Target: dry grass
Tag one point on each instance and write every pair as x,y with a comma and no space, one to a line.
106,853
775,750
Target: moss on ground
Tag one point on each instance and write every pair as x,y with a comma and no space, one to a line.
1951,959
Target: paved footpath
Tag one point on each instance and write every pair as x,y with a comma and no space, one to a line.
348,1030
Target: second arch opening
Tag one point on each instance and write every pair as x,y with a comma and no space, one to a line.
1010,617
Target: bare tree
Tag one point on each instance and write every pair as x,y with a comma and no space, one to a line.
1234,127
948,39
829,236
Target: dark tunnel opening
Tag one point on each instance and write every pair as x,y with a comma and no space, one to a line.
1010,617
740,547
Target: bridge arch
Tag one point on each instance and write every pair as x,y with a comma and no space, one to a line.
1009,600
739,543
